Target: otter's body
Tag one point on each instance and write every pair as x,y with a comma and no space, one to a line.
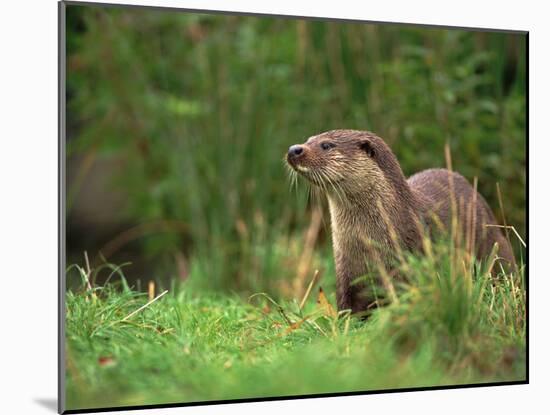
375,211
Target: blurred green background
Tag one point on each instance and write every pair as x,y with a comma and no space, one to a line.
178,123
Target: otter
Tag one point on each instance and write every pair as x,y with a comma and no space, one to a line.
375,211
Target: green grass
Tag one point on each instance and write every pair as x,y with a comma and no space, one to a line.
449,324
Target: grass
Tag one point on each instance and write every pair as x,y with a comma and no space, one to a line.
447,325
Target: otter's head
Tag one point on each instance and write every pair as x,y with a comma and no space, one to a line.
345,161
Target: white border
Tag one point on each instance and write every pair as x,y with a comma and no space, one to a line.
28,163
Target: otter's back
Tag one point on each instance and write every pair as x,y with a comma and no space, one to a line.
436,187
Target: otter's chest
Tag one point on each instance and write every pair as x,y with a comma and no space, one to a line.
357,239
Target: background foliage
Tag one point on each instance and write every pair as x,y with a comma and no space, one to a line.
177,125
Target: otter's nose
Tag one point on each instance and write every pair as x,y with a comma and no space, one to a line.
295,150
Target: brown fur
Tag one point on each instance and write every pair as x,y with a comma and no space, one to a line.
375,211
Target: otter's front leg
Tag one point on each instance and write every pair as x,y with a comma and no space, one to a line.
350,296
343,293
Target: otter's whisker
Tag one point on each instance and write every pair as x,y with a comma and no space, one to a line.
335,185
322,181
292,177
294,182
322,185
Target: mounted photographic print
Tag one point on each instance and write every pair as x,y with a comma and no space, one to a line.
258,207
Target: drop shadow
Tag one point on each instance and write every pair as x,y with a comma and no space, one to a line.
48,403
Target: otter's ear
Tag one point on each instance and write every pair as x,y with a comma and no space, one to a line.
367,147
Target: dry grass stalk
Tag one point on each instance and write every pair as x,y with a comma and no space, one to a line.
88,276
144,306
310,286
474,221
88,273
386,279
143,229
454,215
513,229
501,206
304,263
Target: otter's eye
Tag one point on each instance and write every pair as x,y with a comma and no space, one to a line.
326,145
